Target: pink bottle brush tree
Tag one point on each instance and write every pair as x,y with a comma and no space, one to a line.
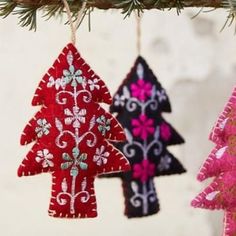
138,105
221,165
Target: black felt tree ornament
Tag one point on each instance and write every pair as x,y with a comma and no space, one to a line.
139,102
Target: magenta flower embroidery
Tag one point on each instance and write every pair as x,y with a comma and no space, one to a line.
165,131
142,126
143,171
141,90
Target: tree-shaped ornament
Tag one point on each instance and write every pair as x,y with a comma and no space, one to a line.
221,164
139,102
71,134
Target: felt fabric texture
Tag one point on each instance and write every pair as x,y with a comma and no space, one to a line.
230,223
139,103
221,159
224,125
220,194
221,164
70,134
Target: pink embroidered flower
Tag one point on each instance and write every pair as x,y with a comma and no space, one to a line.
141,90
142,126
144,170
165,131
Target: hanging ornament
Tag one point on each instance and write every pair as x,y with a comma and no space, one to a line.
221,164
71,134
139,103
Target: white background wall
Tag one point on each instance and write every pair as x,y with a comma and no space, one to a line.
194,62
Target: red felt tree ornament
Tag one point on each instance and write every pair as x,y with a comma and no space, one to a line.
70,134
221,164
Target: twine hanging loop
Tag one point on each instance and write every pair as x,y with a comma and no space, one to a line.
74,25
138,33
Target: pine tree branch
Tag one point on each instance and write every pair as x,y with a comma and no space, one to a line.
146,4
27,9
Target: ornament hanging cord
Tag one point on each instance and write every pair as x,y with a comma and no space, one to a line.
138,30
74,25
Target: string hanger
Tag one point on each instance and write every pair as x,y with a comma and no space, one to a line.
74,25
138,32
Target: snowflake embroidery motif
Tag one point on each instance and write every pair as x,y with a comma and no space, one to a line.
119,100
104,125
77,160
60,82
93,84
161,95
101,157
43,128
45,157
164,163
76,116
74,76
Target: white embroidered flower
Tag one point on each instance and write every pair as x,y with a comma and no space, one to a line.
93,84
76,116
60,82
45,157
43,128
100,156
161,95
119,100
74,77
164,163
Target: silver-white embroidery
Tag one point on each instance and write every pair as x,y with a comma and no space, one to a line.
119,100
161,95
70,58
42,128
140,71
129,149
60,82
91,139
45,158
143,197
84,195
93,84
101,156
133,103
75,117
165,163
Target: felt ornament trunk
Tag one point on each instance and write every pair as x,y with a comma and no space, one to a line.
221,164
138,104
71,135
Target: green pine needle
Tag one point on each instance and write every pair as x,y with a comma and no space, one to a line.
231,4
6,8
27,13
27,17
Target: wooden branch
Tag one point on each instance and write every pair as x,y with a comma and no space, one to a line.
148,4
